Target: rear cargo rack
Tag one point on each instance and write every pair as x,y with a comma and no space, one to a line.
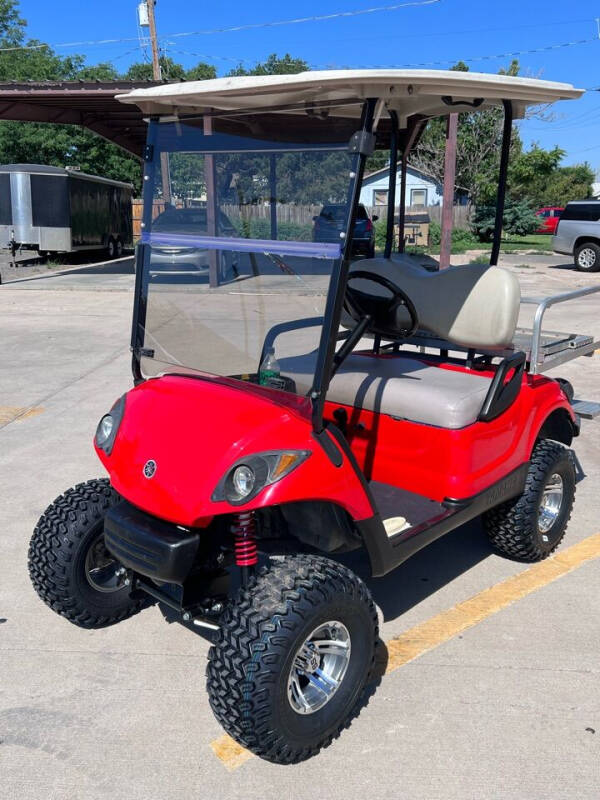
551,349
543,350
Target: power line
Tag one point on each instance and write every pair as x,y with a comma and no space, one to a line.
236,28
513,54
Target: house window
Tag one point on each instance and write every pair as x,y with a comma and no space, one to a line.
380,197
418,197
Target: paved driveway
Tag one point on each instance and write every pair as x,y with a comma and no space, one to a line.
496,698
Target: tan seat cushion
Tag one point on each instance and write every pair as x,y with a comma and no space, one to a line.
471,306
401,386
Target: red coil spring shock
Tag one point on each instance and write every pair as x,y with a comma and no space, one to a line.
244,533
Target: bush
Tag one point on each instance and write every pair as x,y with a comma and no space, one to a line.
380,231
519,220
261,229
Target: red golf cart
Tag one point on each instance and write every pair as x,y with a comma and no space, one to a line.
302,405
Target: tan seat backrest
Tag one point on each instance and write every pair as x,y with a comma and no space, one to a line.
471,306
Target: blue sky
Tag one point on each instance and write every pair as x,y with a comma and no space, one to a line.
440,32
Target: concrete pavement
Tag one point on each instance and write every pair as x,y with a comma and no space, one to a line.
508,709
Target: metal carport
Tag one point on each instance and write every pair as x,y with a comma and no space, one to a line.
90,104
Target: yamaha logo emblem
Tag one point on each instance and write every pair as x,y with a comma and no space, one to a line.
149,469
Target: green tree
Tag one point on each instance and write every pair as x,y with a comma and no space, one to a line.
479,140
537,177
56,145
104,71
274,65
201,72
142,70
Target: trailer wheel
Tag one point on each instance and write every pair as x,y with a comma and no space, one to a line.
69,566
531,526
294,653
118,248
111,248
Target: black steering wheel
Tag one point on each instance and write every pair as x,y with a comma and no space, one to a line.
376,307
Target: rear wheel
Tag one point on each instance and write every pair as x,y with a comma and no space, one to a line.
111,248
118,248
292,658
587,257
531,526
69,565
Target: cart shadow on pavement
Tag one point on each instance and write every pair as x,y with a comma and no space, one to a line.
426,572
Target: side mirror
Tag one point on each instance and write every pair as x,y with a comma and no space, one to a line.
315,219
374,218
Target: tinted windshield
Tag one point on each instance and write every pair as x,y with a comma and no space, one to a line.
234,262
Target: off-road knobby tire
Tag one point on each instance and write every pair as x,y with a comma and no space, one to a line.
260,634
513,526
57,554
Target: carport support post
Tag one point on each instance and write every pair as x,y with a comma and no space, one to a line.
273,194
449,180
414,131
502,181
402,205
211,207
391,209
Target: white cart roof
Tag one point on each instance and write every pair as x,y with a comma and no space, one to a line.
408,92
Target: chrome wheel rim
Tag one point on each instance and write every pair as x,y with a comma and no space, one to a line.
102,570
550,504
587,258
319,667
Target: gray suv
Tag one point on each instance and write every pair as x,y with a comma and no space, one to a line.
578,234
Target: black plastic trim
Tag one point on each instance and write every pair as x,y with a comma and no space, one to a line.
328,445
502,395
386,553
117,412
150,546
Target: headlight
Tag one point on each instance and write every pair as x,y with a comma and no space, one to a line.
243,480
108,427
250,475
105,428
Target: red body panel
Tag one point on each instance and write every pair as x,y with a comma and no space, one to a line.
196,429
440,463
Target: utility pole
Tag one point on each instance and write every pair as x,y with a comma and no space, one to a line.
449,180
157,75
156,71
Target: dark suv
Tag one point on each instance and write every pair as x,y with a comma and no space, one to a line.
332,221
578,234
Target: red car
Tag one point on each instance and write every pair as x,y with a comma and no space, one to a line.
548,219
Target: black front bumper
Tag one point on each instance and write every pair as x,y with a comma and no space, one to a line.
150,546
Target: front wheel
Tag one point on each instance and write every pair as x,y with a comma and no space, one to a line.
69,565
587,257
531,526
294,653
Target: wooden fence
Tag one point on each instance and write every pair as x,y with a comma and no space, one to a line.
303,215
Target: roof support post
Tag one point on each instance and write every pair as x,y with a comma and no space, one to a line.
211,207
502,180
449,181
339,277
391,209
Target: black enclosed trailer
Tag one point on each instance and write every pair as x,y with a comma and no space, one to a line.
55,210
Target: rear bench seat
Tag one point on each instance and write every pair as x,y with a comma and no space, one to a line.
473,306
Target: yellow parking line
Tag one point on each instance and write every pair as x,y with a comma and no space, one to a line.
16,414
444,626
439,629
